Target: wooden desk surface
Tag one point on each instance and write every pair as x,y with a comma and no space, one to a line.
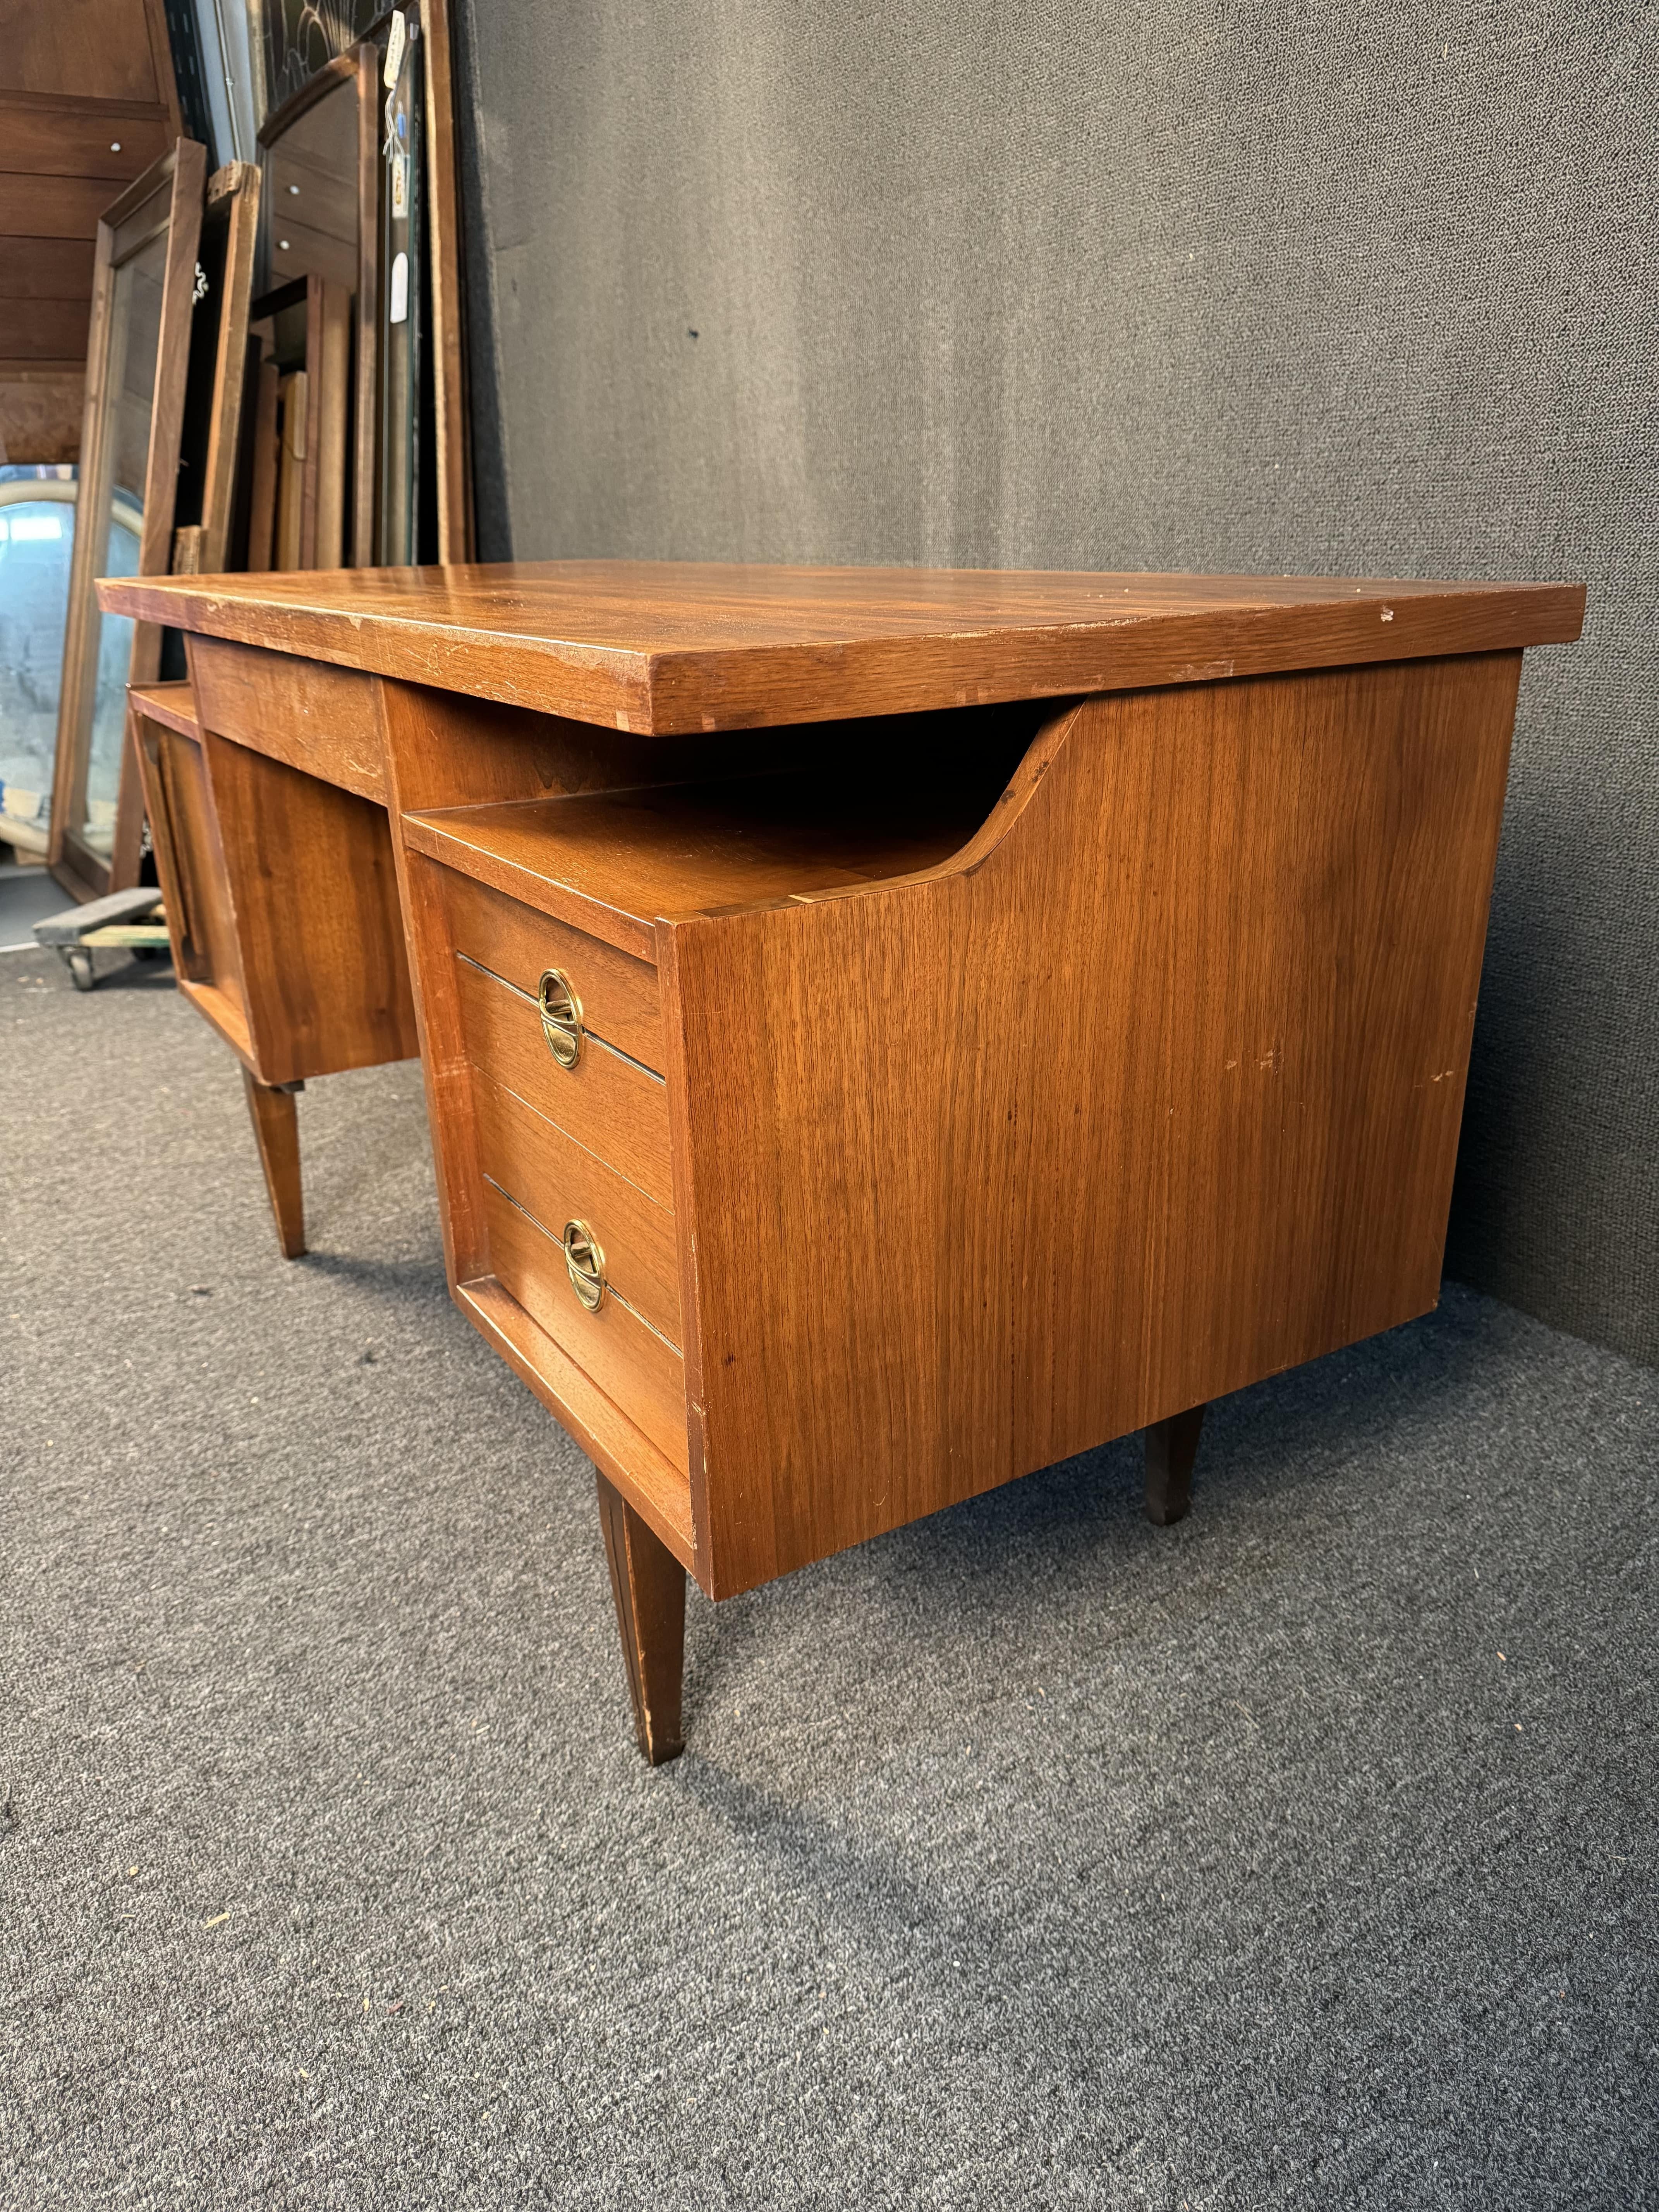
663,648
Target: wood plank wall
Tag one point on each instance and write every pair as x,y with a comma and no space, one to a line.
88,100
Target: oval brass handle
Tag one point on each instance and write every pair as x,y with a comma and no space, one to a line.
561,1016
584,1262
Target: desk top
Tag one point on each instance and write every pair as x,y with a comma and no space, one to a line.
667,648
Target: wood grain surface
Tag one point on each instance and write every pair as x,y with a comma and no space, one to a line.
428,760
189,859
621,1002
558,1180
440,752
45,329
365,307
51,137
667,648
616,1108
266,467
641,1373
39,269
1151,1091
1002,1093
312,880
324,720
610,862
52,207
648,1586
277,1133
171,703
99,50
331,416
293,403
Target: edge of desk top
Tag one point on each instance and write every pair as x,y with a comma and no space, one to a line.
664,649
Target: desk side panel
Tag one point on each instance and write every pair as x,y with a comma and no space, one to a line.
312,885
190,860
1156,1095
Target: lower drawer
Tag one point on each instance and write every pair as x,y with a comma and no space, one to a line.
556,1180
639,1371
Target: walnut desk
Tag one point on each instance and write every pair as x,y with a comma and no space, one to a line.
884,1030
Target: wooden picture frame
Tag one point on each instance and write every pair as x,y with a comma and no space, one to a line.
305,235
233,207
209,510
298,515
145,266
367,305
454,444
320,244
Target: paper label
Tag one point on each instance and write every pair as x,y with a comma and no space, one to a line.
400,289
399,184
396,41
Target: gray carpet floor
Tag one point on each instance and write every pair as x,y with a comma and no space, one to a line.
1303,1855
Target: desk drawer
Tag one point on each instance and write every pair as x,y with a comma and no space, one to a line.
619,995
610,1104
322,720
554,1179
642,1374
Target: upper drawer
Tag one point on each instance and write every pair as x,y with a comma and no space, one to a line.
619,995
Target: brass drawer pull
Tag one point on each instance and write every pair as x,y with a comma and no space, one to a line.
585,1262
561,1016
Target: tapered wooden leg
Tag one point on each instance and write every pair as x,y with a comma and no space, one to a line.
276,1128
1171,1448
648,1583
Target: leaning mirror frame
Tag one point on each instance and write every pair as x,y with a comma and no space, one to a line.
190,360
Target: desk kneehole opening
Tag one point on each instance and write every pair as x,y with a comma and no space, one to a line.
584,1260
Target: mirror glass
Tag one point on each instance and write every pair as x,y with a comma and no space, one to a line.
37,539
299,37
37,528
135,340
309,203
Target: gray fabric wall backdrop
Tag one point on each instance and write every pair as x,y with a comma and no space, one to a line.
1358,292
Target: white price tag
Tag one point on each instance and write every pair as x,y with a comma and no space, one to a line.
396,39
399,312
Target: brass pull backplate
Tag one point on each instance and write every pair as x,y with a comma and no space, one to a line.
561,1016
585,1263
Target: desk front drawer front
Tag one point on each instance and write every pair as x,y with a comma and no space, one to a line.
639,1371
322,720
619,994
610,1104
557,1180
